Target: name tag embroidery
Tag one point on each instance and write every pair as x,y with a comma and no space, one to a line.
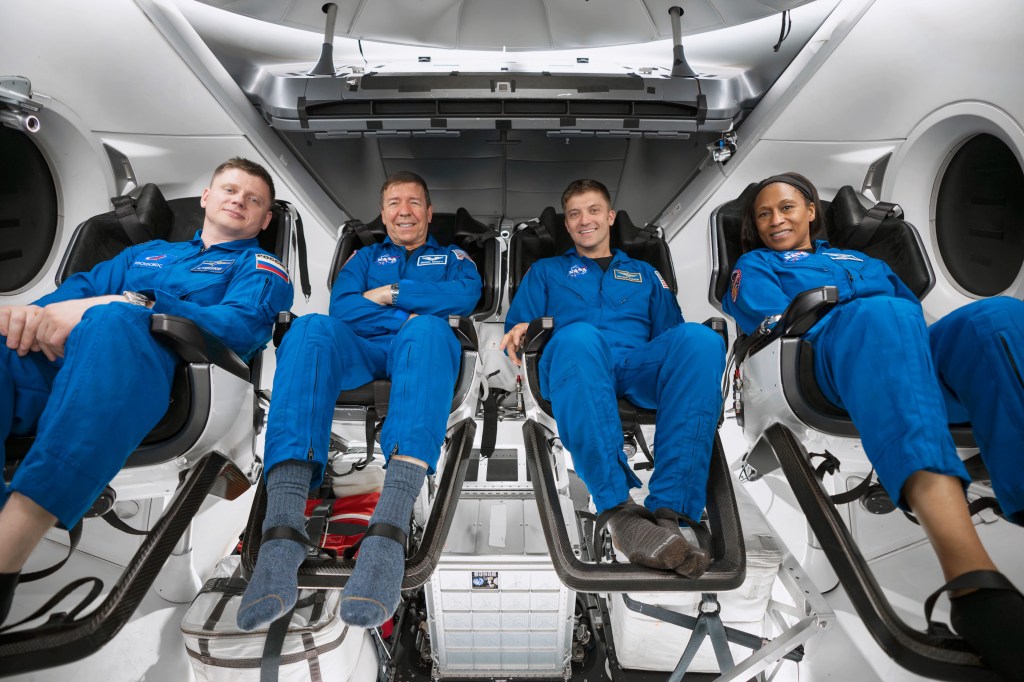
627,276
844,256
432,260
216,266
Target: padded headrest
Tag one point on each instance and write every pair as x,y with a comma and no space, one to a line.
449,229
104,236
547,236
848,227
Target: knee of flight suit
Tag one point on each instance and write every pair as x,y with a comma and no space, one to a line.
423,327
697,341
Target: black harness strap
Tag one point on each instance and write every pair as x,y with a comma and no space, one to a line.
271,660
115,521
57,618
869,225
124,208
489,437
384,530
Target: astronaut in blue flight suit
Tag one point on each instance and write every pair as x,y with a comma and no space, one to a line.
903,383
388,318
81,371
619,332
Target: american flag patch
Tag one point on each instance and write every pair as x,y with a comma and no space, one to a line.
268,263
664,284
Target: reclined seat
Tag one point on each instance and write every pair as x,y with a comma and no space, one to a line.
546,237
369,403
214,447
783,413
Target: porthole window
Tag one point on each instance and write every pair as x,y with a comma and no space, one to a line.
979,216
28,210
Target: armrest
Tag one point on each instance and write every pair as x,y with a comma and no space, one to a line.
538,333
802,313
195,345
807,309
718,324
282,324
465,332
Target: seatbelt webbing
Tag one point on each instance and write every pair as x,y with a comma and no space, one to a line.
271,661
124,209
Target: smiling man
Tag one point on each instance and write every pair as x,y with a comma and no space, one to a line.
388,318
619,332
82,373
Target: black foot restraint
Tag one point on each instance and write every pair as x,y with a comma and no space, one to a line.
385,530
991,619
636,533
289,533
8,582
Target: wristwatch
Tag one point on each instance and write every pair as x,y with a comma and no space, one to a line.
394,293
135,298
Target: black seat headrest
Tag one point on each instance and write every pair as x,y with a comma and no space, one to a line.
104,236
547,236
849,226
449,229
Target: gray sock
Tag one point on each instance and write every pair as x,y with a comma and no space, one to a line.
273,588
375,588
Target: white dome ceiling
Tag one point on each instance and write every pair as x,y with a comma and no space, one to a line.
509,24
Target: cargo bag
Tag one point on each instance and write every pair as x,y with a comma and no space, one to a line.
316,646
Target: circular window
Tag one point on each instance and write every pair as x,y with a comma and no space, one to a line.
979,216
28,210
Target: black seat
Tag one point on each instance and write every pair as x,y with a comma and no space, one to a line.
370,401
546,237
186,441
880,232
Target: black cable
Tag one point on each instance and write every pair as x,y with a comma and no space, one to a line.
787,24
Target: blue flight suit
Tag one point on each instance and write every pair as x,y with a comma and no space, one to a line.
361,341
620,333
901,381
92,408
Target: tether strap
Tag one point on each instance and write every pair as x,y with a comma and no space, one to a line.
289,533
115,521
97,588
384,530
489,437
830,466
124,209
271,661
74,536
977,505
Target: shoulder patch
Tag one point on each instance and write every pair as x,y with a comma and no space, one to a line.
664,284
734,284
267,263
627,276
462,255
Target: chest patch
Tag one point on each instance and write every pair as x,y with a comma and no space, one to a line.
216,266
268,263
441,259
157,260
794,256
386,260
577,271
627,276
844,256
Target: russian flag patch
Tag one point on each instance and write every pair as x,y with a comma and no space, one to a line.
268,263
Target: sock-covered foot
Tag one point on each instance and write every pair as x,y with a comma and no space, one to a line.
698,558
8,583
375,588
636,534
992,621
273,588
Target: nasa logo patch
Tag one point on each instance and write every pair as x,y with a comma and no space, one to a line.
794,256
577,271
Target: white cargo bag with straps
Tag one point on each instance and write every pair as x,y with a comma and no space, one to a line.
317,646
